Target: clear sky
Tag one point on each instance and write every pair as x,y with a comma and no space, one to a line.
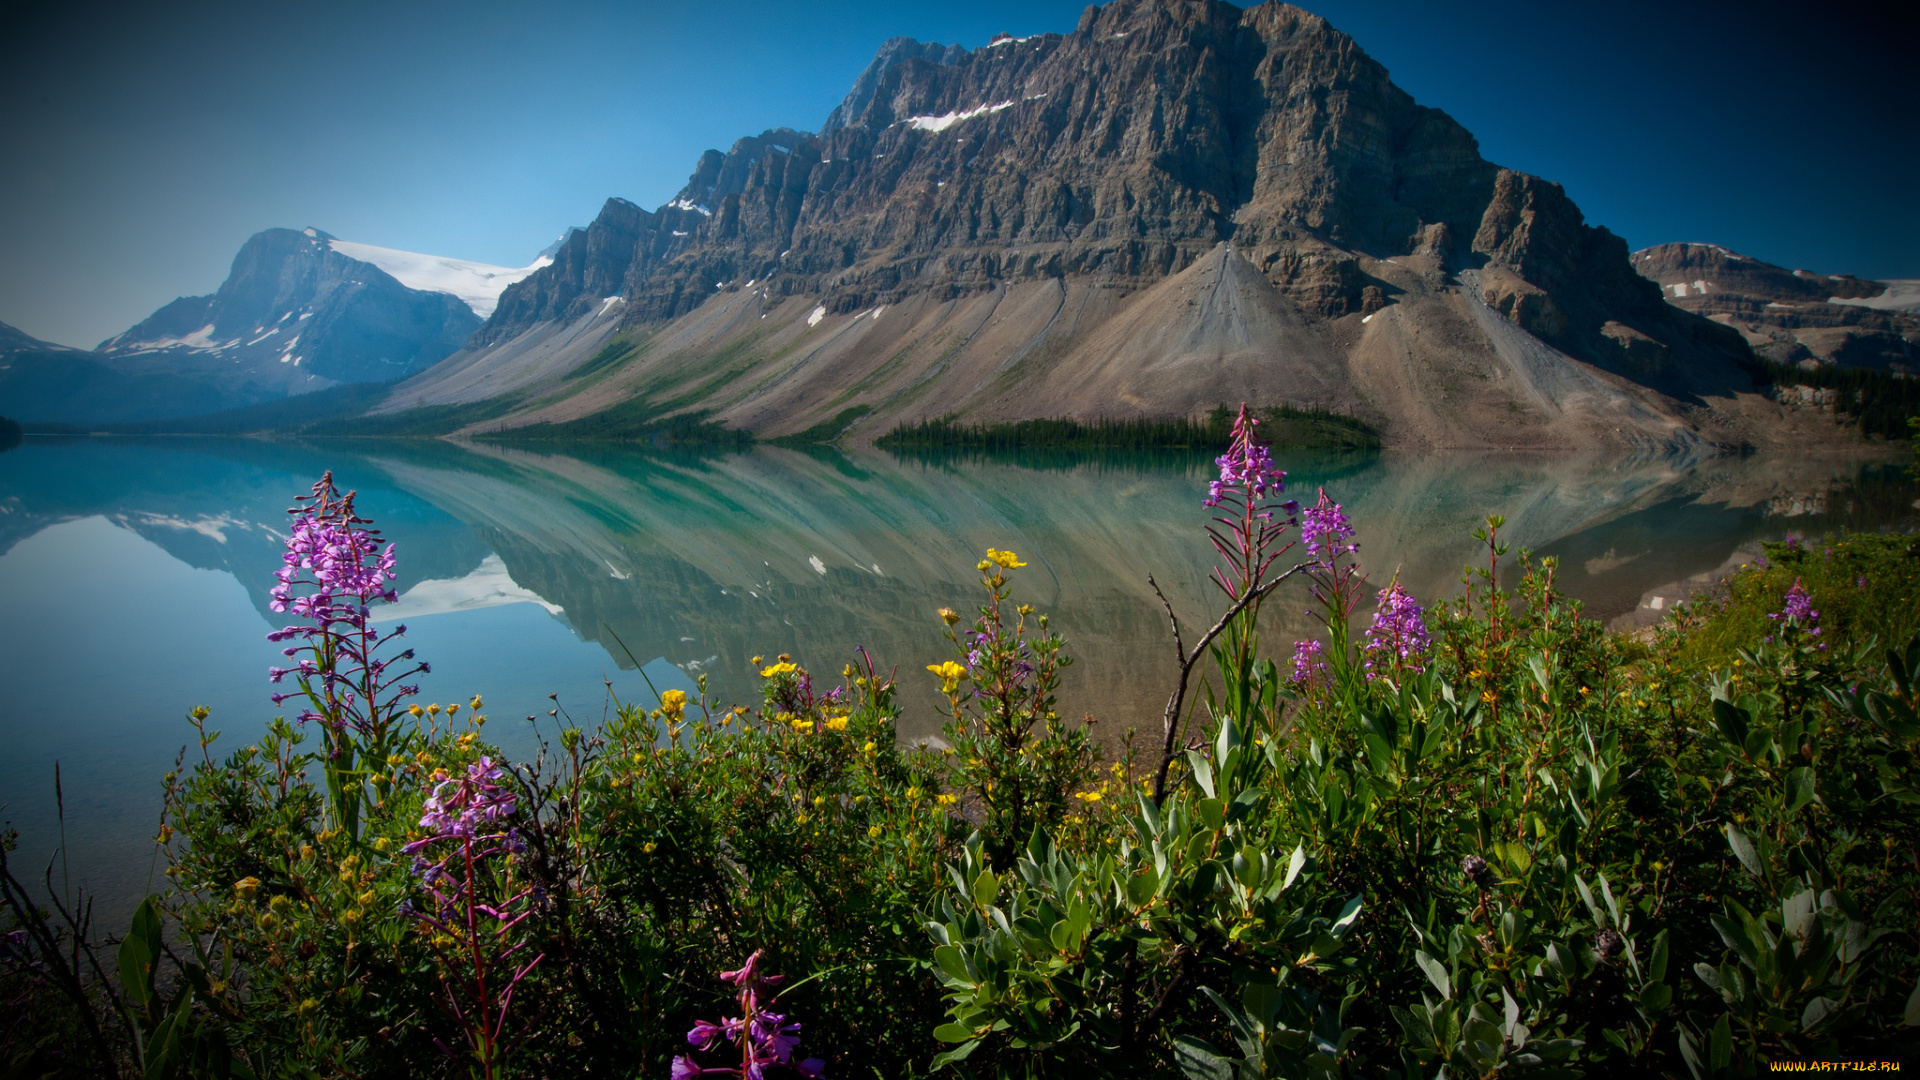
141,144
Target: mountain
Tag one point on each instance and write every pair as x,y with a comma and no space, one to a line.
1177,205
297,313
41,381
1791,315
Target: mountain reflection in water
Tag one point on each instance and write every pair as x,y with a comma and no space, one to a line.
695,565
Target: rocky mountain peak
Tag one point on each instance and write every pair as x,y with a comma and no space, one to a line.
1164,152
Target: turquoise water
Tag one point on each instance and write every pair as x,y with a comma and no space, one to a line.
134,575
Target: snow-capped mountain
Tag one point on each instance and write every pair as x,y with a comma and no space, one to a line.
301,311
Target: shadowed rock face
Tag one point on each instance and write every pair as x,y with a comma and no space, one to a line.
1008,208
1791,315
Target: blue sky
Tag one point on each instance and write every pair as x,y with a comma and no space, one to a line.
144,143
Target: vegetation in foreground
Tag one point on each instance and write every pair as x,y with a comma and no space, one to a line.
1476,838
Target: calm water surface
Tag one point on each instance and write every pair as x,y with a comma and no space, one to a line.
134,577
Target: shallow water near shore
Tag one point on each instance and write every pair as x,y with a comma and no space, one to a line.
134,577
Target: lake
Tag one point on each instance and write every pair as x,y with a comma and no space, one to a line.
134,576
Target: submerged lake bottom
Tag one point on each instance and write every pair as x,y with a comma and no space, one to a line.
134,574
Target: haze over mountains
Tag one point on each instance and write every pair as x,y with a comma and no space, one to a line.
1178,204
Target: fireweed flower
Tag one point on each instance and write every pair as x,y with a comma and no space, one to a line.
1799,607
1245,492
1397,639
1309,663
467,817
334,570
1797,614
1323,528
766,1039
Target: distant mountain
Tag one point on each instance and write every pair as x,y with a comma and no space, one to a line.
1792,315
13,339
1177,205
41,381
299,311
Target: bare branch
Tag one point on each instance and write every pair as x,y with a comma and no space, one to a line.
1171,720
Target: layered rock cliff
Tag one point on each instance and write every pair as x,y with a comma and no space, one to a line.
1178,204
1791,316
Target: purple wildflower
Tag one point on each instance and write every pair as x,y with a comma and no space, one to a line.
1247,485
766,1039
1322,528
1397,639
467,814
1799,608
1309,663
340,563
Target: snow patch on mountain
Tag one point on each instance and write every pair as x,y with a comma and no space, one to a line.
477,284
942,123
1901,294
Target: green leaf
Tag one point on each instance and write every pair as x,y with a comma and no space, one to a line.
1202,772
1655,999
1736,938
1586,896
1198,1060
1294,863
986,888
1141,886
1226,742
1721,1053
952,1033
1743,850
958,1053
1912,1018
953,962
1436,973
1348,915
1657,965
1799,789
1732,720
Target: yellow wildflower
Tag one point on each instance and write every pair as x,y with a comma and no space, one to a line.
913,793
475,703
873,831
416,710
868,748
776,670
838,723
819,801
649,847
756,661
947,800
948,672
673,704
247,886
433,710
1088,796
949,616
1004,558
803,726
